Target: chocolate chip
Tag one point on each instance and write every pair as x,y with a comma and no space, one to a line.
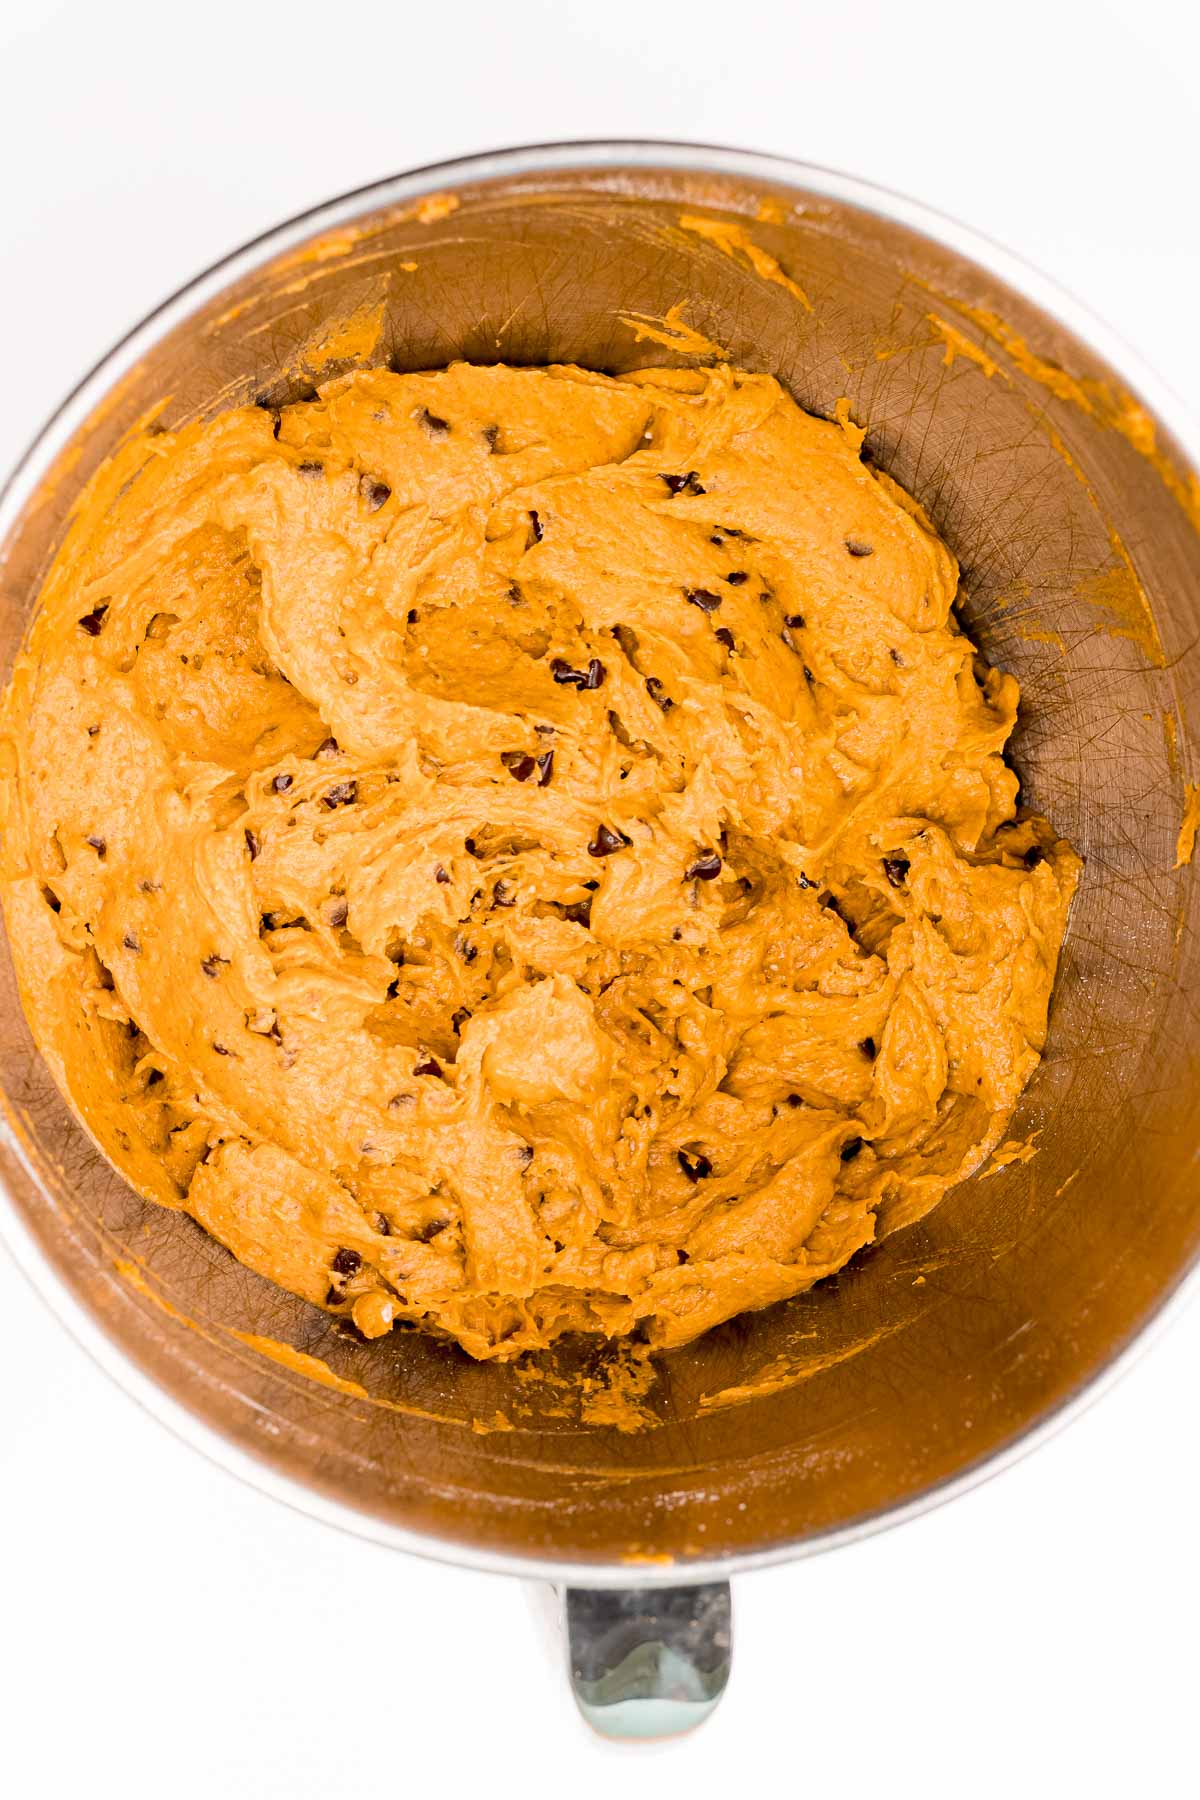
726,637
472,848
736,577
282,783
52,900
857,547
379,1224
93,731
794,1100
808,674
428,1065
375,493
339,912
343,793
795,621
466,949
310,469
578,911
706,867
329,747
896,869
606,842
220,1049
131,943
346,1262
683,484
424,1234
333,1297
536,531
502,893
519,765
99,845
545,768
696,1168
850,1149
867,1046
212,966
704,598
459,1018
1033,856
437,428
253,843
440,875
93,622
803,880
654,688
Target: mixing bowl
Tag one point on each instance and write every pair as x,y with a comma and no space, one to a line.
1056,468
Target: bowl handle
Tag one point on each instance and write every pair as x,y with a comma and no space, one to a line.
648,1662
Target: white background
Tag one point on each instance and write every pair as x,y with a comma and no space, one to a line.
170,1634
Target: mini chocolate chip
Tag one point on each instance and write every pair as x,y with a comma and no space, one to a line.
696,1168
867,1046
592,677
795,621
683,484
380,1225
502,893
525,1155
428,1065
93,731
310,469
578,911
424,1234
519,765
220,1049
545,768
430,422
441,875
726,636
850,1149
339,912
413,615
794,1100
99,845
346,1262
896,658
704,598
472,848
736,577
1033,856
606,842
375,493
253,843
212,966
536,531
93,622
858,547
329,747
803,880
459,1018
344,793
706,867
333,1297
808,674
52,900
896,869
654,688
131,943
282,783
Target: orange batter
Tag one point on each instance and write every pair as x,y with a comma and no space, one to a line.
524,851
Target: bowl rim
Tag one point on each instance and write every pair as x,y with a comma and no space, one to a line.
594,155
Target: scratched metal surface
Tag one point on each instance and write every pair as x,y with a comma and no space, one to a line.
1081,574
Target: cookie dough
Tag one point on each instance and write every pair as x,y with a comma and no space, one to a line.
524,851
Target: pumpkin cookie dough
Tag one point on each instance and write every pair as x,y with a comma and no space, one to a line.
524,851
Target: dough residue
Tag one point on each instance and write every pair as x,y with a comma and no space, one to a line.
523,851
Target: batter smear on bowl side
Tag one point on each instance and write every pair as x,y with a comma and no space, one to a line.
524,851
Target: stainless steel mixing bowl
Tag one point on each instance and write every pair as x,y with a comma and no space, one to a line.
1057,469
